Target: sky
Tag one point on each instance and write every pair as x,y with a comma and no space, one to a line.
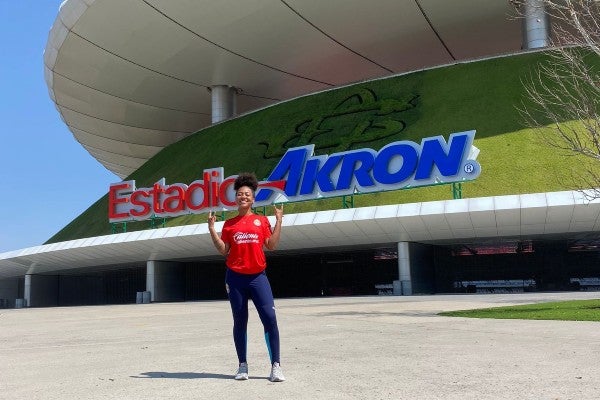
47,176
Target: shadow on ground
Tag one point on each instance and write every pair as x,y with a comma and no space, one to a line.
182,375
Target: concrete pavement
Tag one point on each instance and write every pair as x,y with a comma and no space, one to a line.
380,347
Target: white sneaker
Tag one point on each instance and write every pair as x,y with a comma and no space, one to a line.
276,373
242,372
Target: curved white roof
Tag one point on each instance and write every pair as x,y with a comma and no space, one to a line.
558,215
131,77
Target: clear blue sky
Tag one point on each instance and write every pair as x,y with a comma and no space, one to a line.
47,177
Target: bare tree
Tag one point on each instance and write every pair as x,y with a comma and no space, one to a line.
563,95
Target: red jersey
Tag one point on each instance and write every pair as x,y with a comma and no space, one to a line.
246,236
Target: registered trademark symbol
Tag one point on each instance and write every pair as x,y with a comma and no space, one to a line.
469,168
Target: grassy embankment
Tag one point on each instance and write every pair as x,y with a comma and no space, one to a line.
483,96
577,310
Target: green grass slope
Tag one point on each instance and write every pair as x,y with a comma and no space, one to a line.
575,310
482,95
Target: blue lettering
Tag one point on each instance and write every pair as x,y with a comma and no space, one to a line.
397,165
357,165
310,176
290,165
324,174
388,156
435,153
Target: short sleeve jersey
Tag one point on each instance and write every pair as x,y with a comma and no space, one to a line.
246,236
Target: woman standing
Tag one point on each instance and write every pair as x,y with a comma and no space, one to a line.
241,242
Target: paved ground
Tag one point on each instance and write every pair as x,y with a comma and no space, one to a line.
333,348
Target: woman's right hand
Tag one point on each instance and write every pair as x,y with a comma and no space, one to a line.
212,217
220,245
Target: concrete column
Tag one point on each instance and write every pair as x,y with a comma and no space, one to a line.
223,101
150,279
536,25
165,281
404,269
27,290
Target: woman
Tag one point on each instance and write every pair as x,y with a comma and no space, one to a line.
241,242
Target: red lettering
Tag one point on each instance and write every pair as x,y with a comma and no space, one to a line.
223,192
210,193
178,198
193,191
137,200
214,194
157,189
114,199
214,190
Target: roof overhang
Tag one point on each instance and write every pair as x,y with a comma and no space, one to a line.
131,77
556,215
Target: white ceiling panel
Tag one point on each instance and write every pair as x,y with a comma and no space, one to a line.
556,214
111,130
413,224
244,28
535,211
464,233
457,214
508,217
559,198
401,237
344,214
71,11
82,66
386,212
369,228
509,230
418,236
560,207
458,221
409,210
324,217
584,226
557,227
535,215
125,159
375,31
147,64
586,211
475,28
365,213
532,229
104,107
441,234
350,228
433,216
481,204
390,225
486,232
481,212
329,230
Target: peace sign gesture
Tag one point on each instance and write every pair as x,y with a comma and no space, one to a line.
278,212
212,217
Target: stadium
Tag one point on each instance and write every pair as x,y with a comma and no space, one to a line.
325,97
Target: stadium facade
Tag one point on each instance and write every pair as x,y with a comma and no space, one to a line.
131,78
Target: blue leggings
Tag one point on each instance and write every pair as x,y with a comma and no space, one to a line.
240,288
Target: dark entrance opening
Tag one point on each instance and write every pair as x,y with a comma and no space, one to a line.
516,266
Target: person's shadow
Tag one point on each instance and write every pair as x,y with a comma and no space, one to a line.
182,375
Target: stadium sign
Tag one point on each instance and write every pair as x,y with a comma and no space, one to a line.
301,175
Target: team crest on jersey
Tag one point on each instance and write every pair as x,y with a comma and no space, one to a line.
257,222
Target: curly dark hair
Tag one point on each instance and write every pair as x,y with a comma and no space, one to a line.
246,179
